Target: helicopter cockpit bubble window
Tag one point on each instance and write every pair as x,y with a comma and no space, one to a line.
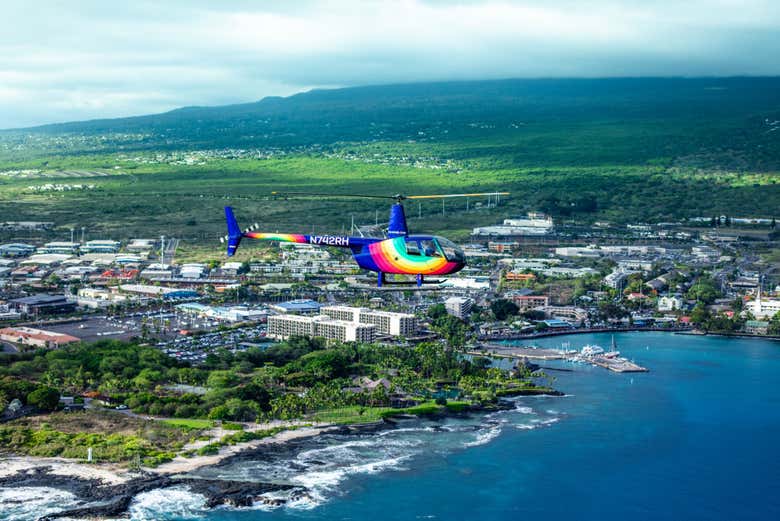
451,251
412,248
430,248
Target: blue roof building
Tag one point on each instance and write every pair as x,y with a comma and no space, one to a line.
299,307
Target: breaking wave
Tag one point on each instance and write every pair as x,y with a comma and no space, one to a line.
30,503
174,502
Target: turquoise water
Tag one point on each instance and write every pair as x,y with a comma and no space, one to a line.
695,439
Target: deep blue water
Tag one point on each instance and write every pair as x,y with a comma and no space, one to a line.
694,439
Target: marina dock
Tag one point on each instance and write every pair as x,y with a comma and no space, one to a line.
532,353
612,363
618,365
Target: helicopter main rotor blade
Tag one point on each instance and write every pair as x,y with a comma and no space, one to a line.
445,196
314,194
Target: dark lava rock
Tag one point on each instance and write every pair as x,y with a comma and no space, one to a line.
107,500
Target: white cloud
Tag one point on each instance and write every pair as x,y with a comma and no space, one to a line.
76,60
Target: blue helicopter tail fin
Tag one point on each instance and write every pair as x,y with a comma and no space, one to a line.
234,232
397,225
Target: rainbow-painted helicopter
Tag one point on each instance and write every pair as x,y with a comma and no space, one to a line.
398,253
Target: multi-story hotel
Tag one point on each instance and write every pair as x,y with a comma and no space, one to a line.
386,322
282,327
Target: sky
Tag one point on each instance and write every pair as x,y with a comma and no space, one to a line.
82,59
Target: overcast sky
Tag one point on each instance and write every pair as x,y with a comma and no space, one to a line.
73,60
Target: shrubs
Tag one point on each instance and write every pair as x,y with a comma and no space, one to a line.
105,447
44,398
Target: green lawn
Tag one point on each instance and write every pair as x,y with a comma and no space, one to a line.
189,423
357,414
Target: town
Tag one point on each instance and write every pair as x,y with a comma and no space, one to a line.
526,277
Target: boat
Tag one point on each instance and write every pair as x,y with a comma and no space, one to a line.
613,352
591,350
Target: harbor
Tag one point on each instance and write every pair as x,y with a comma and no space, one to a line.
589,354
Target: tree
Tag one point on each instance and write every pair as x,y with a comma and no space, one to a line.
700,315
437,311
503,308
222,379
774,325
703,291
44,398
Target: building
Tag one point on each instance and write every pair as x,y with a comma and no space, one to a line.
670,303
36,337
635,265
386,322
231,268
28,226
192,271
146,290
762,307
96,298
757,327
100,246
345,331
503,246
298,307
512,276
69,248
565,312
616,280
282,327
43,305
224,313
526,302
46,259
16,249
139,245
552,323
532,224
459,306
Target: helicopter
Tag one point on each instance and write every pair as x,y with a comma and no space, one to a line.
397,253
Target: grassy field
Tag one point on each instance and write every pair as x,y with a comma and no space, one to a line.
112,437
622,151
356,414
193,424
187,202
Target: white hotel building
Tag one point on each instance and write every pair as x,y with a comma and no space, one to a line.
282,327
386,322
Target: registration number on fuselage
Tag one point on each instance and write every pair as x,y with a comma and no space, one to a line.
329,240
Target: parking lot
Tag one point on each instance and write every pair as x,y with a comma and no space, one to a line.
201,338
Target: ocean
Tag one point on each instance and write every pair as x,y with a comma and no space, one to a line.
695,438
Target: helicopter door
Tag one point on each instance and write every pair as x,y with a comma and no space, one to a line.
412,247
430,248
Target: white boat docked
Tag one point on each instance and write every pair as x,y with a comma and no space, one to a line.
591,350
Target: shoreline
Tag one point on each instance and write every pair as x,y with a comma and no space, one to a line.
675,331
116,474
108,489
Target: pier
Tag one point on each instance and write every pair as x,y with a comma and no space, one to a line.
613,363
616,364
532,353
